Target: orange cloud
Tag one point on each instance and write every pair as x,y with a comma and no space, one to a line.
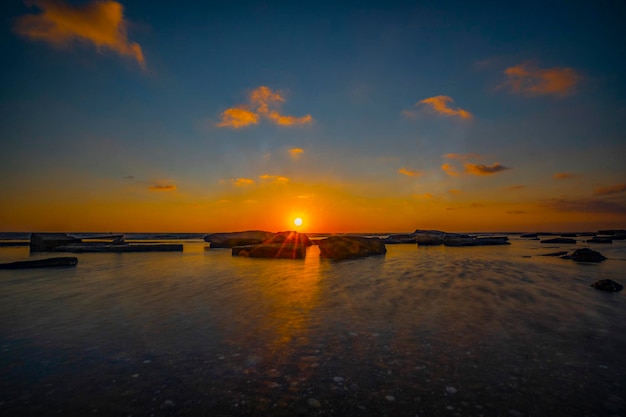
296,152
163,187
100,23
455,191
611,189
238,117
242,182
440,105
409,173
529,80
450,170
275,178
564,175
515,187
480,169
461,156
262,102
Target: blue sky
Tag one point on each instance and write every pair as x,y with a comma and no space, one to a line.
87,124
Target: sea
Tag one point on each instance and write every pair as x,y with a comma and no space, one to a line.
419,331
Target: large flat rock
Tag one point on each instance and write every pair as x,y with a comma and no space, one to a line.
350,247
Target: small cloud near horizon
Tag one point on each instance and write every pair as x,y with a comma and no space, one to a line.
242,182
100,23
455,192
515,187
295,152
262,103
529,80
516,212
462,156
481,169
410,173
450,170
441,105
276,179
585,205
565,176
611,189
163,187
128,177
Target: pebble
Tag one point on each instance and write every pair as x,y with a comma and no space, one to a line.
168,403
135,375
147,361
338,379
451,390
314,403
515,413
390,398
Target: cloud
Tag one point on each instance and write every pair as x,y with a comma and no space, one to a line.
242,182
262,103
440,105
516,212
277,179
450,170
296,152
564,175
100,23
532,81
128,177
410,173
163,187
585,205
455,192
238,117
427,195
611,189
462,156
480,169
515,187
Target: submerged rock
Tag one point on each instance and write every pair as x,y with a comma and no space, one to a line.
290,237
271,251
587,255
466,240
47,242
350,247
559,253
599,239
400,238
559,240
42,263
607,285
530,235
229,240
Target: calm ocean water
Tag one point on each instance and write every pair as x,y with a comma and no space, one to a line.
436,331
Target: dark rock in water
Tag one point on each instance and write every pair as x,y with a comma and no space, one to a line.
271,251
466,240
612,232
530,235
400,238
599,239
41,263
110,247
587,255
229,240
607,285
429,238
290,237
559,240
47,242
350,247
569,234
560,253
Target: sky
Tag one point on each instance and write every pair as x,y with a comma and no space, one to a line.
355,116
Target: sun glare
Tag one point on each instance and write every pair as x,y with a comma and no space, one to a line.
297,221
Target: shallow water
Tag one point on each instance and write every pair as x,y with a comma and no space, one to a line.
420,331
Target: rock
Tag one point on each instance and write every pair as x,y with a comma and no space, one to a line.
41,263
400,239
559,240
290,237
530,235
587,255
466,240
229,240
47,242
569,234
350,247
559,253
271,251
425,239
607,285
599,239
117,248
314,403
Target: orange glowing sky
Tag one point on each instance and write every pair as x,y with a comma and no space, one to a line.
361,117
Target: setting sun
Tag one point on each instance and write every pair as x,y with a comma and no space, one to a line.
297,221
